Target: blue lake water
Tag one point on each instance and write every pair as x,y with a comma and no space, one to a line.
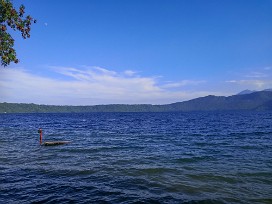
137,158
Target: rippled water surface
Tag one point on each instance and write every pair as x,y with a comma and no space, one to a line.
137,158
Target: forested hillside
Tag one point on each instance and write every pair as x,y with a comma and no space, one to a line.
261,100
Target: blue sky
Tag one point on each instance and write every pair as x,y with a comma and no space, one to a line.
89,52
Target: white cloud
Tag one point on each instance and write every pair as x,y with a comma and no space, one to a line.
129,72
88,86
257,75
257,79
253,83
182,83
232,81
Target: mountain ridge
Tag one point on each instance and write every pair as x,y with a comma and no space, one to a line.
256,101
247,91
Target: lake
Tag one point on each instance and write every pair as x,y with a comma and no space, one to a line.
193,158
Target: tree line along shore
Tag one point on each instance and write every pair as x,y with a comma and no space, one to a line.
257,101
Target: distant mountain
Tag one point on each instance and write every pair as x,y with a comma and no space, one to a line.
246,92
250,91
267,90
256,101
261,100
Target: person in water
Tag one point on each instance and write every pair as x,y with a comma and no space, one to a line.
40,132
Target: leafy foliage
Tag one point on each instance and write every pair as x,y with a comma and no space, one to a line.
16,20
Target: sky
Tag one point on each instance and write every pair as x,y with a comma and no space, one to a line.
89,52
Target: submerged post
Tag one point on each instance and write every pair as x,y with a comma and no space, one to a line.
40,131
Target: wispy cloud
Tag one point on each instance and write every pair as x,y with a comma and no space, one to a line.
90,85
182,83
253,83
256,75
129,72
258,79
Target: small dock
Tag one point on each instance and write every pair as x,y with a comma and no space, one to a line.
53,143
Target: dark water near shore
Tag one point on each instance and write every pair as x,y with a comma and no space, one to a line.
137,158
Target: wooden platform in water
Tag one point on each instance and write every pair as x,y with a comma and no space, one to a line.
52,143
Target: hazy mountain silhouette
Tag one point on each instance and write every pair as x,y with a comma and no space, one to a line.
255,101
